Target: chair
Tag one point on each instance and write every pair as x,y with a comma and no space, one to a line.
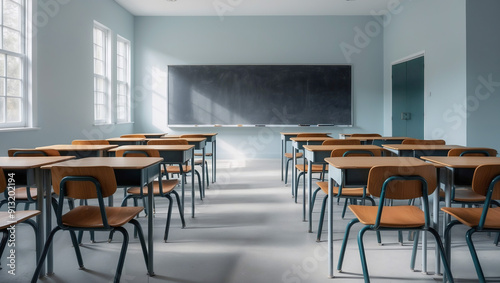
26,194
341,142
485,219
365,135
133,136
340,191
177,169
165,189
465,195
90,183
289,155
20,217
396,183
90,142
423,142
199,161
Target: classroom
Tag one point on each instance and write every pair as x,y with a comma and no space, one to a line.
103,69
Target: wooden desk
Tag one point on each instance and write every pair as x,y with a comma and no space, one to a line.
417,150
171,154
80,151
317,154
298,144
129,171
356,169
126,141
379,140
152,135
29,168
285,137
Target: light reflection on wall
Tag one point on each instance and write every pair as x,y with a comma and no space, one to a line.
159,100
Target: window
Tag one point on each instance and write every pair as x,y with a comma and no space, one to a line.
14,58
102,99
123,109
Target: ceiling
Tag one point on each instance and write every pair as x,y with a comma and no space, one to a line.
253,7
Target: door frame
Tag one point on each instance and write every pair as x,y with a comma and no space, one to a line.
403,60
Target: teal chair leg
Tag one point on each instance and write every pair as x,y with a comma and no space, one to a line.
321,219
41,260
473,253
414,251
362,255
344,243
77,249
297,185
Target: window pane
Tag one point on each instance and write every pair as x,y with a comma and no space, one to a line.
12,15
98,37
2,65
99,67
14,88
14,67
120,49
2,110
2,87
14,110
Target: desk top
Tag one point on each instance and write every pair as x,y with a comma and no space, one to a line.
332,147
126,139
174,147
152,135
377,138
369,162
76,147
30,162
420,146
305,139
178,137
114,162
296,133
462,161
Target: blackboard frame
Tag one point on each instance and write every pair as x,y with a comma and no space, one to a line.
340,75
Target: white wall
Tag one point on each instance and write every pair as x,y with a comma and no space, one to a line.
437,29
64,70
163,41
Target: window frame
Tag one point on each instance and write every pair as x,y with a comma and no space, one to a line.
127,80
106,119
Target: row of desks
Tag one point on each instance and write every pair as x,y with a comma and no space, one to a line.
128,171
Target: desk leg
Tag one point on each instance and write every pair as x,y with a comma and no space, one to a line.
203,173
330,228
435,218
192,186
309,193
214,162
150,229
294,169
37,174
282,156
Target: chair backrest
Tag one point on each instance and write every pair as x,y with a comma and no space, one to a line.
472,151
423,142
483,175
90,142
365,135
84,189
341,142
133,136
401,189
137,153
192,136
310,135
168,142
30,152
345,152
3,182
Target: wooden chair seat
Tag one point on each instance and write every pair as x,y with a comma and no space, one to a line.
290,155
21,216
347,192
22,194
471,216
117,216
464,195
201,154
167,187
174,169
392,216
316,168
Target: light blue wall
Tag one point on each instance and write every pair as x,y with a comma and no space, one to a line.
163,41
64,101
483,73
437,29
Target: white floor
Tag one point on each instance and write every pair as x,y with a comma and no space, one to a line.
247,229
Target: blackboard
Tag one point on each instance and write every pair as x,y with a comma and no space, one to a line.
259,95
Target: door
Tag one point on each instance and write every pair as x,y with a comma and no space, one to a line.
408,99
